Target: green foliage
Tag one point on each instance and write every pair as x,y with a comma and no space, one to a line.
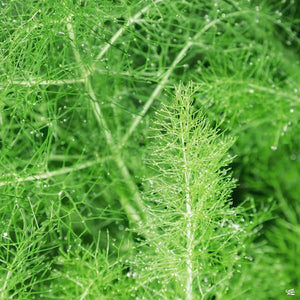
80,82
193,236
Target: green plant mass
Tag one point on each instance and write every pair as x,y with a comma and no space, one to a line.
149,149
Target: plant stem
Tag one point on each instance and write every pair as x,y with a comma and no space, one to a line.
52,173
132,213
161,84
189,215
121,30
37,81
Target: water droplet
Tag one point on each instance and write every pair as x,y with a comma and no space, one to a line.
235,226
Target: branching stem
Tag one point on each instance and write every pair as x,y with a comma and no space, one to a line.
115,37
51,174
132,213
166,76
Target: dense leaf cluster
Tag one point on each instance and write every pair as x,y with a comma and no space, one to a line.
101,197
